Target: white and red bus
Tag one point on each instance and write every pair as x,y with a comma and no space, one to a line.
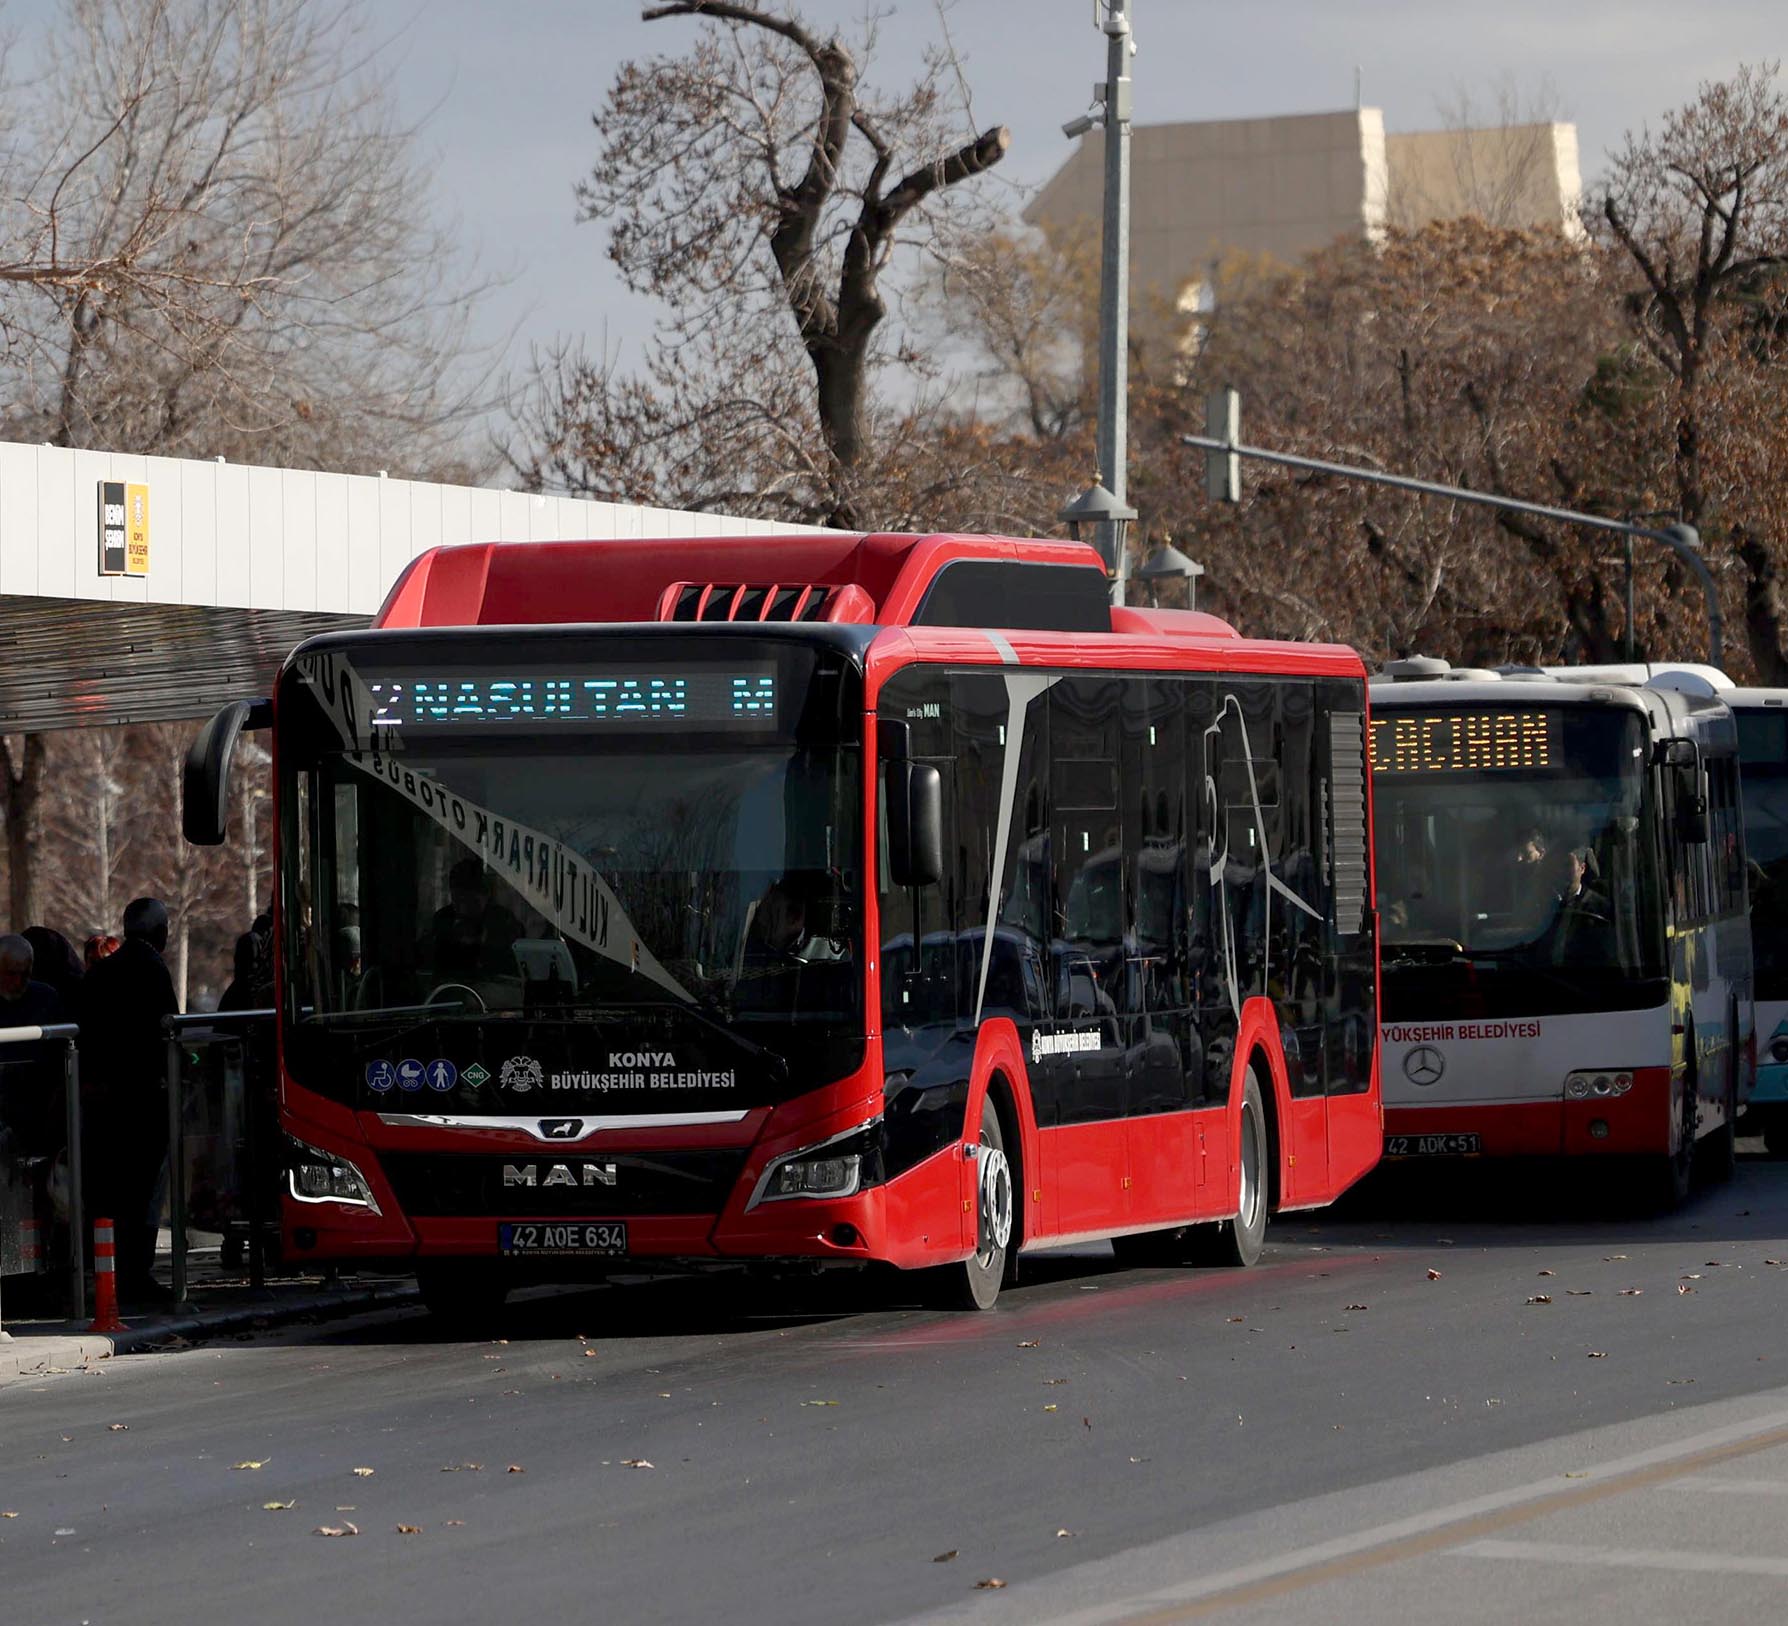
1566,957
749,899
1762,716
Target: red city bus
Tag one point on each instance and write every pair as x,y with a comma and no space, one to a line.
749,899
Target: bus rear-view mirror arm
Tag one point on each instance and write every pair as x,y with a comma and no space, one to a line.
205,781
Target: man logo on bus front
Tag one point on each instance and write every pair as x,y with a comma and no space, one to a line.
1424,1065
521,1074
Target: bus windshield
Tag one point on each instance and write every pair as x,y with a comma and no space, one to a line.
1763,755
1516,861
526,895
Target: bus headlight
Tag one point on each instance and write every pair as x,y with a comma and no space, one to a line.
839,1167
1596,1084
316,1176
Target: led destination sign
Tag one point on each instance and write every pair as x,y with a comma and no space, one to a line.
599,697
1465,742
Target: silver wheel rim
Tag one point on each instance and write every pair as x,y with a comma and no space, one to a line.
1250,1204
993,1226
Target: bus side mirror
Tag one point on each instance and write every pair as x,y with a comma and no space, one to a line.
915,793
1691,807
205,780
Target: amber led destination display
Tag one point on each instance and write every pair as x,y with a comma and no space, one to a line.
1465,742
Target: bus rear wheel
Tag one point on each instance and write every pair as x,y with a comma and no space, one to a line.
974,1283
1237,1242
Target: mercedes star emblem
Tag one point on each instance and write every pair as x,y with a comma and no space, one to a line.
1424,1065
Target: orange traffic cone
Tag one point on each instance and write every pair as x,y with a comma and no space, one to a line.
105,1280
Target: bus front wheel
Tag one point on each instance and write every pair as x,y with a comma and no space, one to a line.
974,1283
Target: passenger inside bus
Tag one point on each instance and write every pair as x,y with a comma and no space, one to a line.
472,936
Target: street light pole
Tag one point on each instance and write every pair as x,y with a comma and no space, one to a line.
1114,277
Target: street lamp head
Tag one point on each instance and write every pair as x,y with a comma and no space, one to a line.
1686,535
1167,564
1098,517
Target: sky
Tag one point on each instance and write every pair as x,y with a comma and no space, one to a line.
508,90
504,90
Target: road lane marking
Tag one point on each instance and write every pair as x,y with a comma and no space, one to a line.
1624,1558
1440,1528
1736,1487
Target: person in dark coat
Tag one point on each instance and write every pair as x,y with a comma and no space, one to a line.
123,1064
27,1087
56,963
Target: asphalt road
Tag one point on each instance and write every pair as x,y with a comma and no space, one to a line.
1339,1433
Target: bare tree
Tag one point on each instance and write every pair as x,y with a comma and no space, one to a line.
218,240
760,190
1696,214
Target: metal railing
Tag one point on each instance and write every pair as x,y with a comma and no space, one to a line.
66,1035
239,1129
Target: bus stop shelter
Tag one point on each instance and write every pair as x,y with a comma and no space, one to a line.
151,589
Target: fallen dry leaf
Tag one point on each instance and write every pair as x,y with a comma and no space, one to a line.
1359,1307
4,1514
1690,1276
1027,1343
944,1558
342,1529
1772,1261
1545,1273
1063,1535
347,1507
1631,1292
277,1507
1683,1287
1608,1256
462,1467
116,1428
626,1462
515,1468
1235,1318
1579,1292
1598,1354
1050,1408
1540,1298
453,1523
992,1583
1433,1275
819,1402
261,1464
409,1529
363,1473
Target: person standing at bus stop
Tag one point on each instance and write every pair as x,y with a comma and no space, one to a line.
124,998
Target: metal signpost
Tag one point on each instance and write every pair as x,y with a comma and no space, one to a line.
1224,450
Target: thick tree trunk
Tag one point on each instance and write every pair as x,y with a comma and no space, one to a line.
1766,612
23,790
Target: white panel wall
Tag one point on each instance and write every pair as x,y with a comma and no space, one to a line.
278,539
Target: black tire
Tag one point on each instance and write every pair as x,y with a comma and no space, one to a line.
974,1283
1237,1242
1775,1135
1668,1178
1716,1158
463,1295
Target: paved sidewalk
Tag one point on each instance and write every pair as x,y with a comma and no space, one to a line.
218,1304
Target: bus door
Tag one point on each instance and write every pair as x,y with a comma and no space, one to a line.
1085,1046
1169,1155
1266,900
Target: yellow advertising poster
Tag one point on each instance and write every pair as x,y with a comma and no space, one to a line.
136,530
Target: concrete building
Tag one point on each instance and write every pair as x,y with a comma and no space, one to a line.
1283,187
